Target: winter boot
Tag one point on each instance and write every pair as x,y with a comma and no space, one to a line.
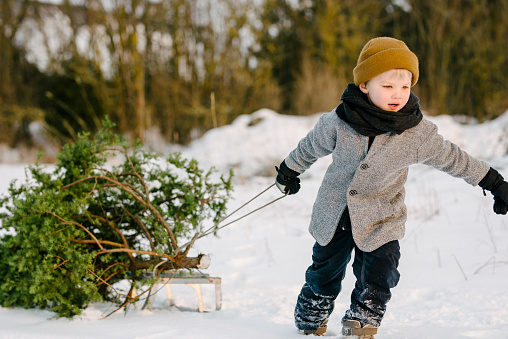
352,329
321,330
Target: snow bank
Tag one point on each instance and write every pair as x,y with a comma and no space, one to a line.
253,144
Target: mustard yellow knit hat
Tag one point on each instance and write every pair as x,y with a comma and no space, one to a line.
383,54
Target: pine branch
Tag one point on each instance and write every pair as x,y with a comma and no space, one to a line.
135,196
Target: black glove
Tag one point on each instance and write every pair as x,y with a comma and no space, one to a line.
494,182
287,180
500,207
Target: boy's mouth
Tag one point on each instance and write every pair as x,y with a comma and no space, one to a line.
393,106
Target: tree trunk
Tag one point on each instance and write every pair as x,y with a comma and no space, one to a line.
202,261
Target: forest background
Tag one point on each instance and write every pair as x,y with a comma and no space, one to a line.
180,67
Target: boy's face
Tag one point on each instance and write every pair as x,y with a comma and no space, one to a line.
389,90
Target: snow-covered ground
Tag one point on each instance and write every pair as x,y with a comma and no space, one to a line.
454,266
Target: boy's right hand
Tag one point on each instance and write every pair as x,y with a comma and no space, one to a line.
287,180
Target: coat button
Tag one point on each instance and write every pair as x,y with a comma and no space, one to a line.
364,166
353,192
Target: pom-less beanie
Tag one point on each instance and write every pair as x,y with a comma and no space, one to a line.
383,54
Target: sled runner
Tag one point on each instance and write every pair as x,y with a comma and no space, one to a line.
195,281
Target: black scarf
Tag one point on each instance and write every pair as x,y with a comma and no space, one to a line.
369,120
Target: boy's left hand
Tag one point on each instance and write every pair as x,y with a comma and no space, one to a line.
501,198
500,207
494,182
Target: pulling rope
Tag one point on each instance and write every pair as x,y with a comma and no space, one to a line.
216,226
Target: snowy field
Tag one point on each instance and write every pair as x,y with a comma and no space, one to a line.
454,265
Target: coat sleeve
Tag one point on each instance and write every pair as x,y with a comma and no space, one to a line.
450,158
319,142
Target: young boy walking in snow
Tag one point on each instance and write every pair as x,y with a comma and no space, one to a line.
373,136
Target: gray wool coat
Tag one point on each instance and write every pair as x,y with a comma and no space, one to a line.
372,183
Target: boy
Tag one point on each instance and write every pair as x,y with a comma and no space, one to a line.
373,136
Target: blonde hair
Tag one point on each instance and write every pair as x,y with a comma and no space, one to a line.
399,73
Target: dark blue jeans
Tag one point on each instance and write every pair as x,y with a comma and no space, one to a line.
376,273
